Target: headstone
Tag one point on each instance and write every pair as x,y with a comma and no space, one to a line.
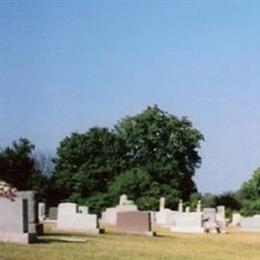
188,223
135,222
41,211
187,209
162,203
14,221
209,214
153,216
198,209
67,209
53,213
251,224
123,199
32,204
71,220
166,217
221,217
180,206
33,221
109,216
210,221
236,220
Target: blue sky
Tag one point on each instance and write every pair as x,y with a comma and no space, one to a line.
69,65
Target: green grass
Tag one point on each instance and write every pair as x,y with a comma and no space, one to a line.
167,245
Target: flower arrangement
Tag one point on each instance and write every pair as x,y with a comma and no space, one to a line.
7,191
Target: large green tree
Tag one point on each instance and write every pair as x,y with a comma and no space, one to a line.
167,148
85,165
146,156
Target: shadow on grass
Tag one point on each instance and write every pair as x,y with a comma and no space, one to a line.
60,238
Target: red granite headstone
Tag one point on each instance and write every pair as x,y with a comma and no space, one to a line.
135,222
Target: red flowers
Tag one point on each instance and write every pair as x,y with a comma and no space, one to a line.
6,191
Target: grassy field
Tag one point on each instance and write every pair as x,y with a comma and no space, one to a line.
114,246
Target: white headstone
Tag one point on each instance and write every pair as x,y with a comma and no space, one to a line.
221,217
250,223
187,209
41,211
180,206
123,199
188,223
198,209
70,220
162,203
236,219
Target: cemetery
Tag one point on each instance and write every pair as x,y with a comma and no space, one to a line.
104,200
129,129
24,220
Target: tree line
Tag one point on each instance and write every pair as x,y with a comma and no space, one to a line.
146,156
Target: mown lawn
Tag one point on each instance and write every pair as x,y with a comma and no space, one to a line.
234,245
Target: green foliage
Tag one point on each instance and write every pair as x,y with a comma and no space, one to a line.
146,156
229,200
135,181
208,200
249,195
138,185
193,201
17,167
166,147
86,164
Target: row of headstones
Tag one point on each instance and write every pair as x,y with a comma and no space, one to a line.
73,218
127,218
19,219
202,220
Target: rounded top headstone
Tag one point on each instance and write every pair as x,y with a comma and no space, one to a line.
123,199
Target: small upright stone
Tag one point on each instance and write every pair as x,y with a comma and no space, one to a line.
162,203
180,206
198,209
123,199
53,213
41,211
187,209
236,219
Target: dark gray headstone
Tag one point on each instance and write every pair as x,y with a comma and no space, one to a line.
32,205
53,213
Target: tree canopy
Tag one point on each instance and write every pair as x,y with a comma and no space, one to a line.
249,195
166,146
146,156
86,163
17,167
